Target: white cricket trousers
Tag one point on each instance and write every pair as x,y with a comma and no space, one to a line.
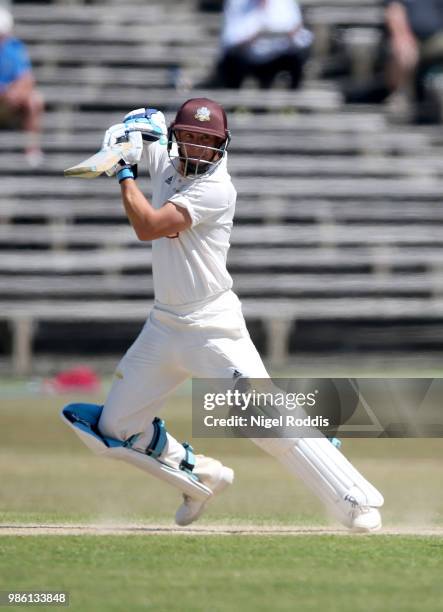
208,341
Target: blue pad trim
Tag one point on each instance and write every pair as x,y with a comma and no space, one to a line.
86,418
159,439
335,442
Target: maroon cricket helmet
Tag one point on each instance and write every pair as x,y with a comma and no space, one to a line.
202,115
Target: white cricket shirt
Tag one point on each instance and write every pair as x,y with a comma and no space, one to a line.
191,266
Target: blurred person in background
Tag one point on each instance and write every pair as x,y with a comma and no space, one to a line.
20,103
261,39
410,54
415,30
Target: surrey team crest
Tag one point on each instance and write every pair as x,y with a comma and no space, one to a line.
203,113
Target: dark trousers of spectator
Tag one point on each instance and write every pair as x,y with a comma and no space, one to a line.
431,61
234,67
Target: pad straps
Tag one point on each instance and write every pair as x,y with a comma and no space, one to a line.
158,443
159,439
188,463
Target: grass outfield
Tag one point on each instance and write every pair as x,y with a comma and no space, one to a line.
211,573
48,478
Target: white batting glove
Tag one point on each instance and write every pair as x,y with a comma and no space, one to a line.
149,122
118,133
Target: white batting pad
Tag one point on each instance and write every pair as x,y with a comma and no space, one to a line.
327,472
181,480
86,431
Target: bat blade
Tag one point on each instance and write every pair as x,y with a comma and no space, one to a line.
99,162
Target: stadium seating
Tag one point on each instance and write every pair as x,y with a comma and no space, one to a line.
338,217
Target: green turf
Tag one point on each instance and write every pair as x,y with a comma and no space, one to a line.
254,573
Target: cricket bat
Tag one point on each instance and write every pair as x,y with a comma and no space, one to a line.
100,162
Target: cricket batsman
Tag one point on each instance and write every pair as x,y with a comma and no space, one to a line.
196,327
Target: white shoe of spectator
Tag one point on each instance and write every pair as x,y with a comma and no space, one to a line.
34,158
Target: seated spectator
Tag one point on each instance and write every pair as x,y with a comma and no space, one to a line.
20,103
260,39
412,49
415,29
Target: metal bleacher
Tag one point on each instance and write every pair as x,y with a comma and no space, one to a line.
338,214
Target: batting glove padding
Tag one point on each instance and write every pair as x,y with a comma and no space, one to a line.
149,122
115,134
139,126
118,133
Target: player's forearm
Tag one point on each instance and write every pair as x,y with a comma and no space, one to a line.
138,210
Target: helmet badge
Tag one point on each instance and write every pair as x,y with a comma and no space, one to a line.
203,114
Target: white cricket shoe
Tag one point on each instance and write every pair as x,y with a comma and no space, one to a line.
366,519
212,474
